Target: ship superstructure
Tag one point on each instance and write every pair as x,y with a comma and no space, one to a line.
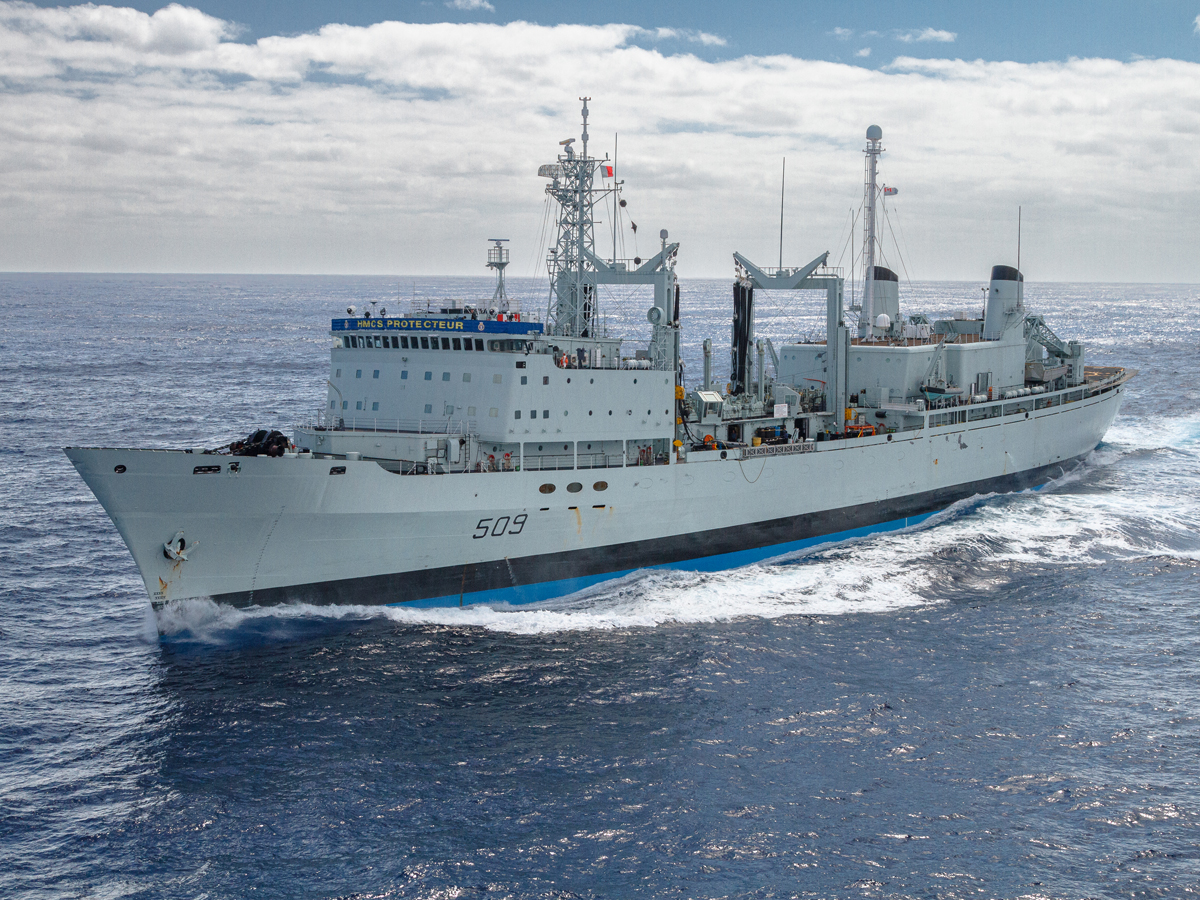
470,452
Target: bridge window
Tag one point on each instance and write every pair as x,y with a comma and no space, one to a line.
445,343
456,343
404,341
424,343
479,343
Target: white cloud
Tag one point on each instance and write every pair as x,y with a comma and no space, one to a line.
864,52
1197,24
842,33
132,142
681,34
470,5
927,34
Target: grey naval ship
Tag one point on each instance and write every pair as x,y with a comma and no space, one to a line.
470,452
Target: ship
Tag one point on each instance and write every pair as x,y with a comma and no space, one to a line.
473,452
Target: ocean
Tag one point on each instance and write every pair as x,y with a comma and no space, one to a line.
1003,702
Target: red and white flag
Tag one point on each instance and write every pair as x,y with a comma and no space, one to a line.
606,170
890,191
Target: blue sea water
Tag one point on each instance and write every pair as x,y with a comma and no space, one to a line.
1003,702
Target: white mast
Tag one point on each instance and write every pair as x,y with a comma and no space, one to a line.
498,260
867,325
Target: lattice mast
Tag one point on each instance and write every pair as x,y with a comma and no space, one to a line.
570,264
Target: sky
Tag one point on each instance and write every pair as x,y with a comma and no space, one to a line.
395,138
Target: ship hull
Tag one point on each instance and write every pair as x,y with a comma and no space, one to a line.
287,530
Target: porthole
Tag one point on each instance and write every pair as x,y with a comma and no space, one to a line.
574,487
120,470
600,486
635,381
723,454
547,489
591,381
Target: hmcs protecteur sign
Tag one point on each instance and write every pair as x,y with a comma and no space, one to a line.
460,326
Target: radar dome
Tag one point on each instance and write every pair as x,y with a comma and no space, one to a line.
874,133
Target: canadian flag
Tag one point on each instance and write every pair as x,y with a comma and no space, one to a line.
890,191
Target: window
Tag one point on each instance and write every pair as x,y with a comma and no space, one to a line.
404,341
338,374
445,343
378,342
496,378
331,402
445,375
375,406
524,379
545,413
358,373
448,409
517,414
428,407
470,410
456,343
375,374
521,364
467,344
533,414
574,487
344,403
493,412
546,379
429,376
466,377
424,343
404,375
358,405
478,343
